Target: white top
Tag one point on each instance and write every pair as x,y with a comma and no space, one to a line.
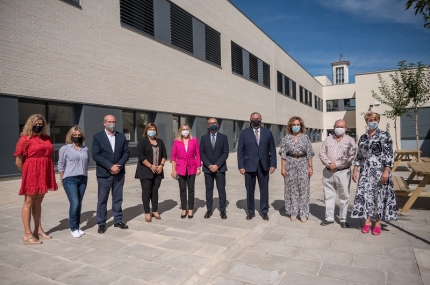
111,138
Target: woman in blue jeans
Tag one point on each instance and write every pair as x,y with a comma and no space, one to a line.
73,169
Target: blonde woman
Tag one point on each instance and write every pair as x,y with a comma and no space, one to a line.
73,169
185,166
296,153
34,159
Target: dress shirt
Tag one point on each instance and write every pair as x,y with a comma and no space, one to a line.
213,135
111,138
342,153
73,162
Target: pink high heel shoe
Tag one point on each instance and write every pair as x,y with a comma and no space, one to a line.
365,229
376,231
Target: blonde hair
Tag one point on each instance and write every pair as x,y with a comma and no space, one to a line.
179,136
27,130
70,133
371,114
289,127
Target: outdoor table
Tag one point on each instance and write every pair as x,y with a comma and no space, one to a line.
422,169
404,155
425,159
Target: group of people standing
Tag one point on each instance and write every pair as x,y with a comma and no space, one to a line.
256,156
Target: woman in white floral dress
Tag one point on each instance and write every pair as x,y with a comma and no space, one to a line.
375,196
296,153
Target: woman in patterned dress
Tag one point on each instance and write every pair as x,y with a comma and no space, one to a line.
375,196
152,155
34,159
296,153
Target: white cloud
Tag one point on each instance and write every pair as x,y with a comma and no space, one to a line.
374,10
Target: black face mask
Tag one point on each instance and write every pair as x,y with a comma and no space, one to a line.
77,139
37,129
255,123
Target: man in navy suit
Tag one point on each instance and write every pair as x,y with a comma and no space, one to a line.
256,158
213,153
110,152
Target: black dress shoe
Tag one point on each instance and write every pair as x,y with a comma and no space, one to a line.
326,223
190,216
102,229
121,225
223,215
250,216
208,214
344,225
183,216
265,217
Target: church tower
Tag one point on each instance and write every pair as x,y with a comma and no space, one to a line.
340,71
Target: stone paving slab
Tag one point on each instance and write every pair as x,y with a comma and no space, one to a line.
215,251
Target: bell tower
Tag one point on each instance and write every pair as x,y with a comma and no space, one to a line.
340,71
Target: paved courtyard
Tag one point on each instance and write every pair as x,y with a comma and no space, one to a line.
215,251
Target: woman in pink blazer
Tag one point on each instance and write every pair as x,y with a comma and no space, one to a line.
185,165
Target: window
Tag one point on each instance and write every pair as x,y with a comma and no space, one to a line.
138,14
301,91
316,102
134,123
340,75
340,105
306,95
287,86
310,99
294,89
257,73
280,85
173,26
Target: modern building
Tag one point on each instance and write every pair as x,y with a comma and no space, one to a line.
170,62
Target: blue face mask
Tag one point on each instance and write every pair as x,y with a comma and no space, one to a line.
372,125
152,133
296,129
213,127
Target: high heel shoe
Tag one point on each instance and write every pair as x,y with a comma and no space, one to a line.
43,235
366,229
30,240
183,215
157,217
148,219
376,231
190,216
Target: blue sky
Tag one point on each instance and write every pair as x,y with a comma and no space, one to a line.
372,34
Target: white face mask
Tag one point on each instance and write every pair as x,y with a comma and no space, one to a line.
111,127
339,131
185,133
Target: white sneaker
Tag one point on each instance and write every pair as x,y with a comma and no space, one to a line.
76,234
81,232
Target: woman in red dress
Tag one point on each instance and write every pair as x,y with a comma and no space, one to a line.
34,159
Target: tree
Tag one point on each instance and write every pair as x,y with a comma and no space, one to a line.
395,97
416,83
422,7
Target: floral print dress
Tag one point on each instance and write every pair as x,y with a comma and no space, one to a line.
374,198
297,181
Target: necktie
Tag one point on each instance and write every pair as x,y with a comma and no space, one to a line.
257,137
213,141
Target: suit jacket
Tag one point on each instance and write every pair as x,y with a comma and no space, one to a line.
186,160
144,151
250,154
103,155
217,156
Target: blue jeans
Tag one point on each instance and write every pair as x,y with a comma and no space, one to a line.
75,189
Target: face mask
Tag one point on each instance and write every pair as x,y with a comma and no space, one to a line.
296,129
339,131
111,127
37,129
185,133
152,133
255,123
77,139
213,127
372,125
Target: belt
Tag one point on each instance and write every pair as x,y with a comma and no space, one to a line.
339,169
296,155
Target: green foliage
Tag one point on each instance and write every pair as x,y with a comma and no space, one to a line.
422,7
416,83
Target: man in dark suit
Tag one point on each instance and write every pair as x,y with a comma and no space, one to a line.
110,152
256,158
213,153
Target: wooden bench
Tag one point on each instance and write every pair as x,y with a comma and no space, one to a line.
425,159
401,188
404,156
418,168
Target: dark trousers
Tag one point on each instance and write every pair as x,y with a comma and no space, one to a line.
184,181
150,193
219,177
263,182
75,186
105,184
